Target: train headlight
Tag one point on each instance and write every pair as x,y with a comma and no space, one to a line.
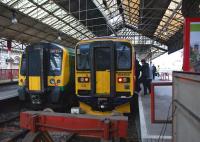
21,80
75,110
120,79
86,79
123,79
83,79
52,81
58,81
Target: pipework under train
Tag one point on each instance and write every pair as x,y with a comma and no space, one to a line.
105,76
46,77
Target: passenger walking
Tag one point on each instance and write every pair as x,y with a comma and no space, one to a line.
149,80
137,74
145,75
154,70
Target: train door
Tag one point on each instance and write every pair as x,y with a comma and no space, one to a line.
36,80
103,69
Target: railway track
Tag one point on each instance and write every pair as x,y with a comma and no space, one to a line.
10,130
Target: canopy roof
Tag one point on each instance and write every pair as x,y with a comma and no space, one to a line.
152,25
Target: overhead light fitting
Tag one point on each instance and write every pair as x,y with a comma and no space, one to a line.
59,36
14,19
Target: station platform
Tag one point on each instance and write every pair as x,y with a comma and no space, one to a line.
156,131
8,81
8,91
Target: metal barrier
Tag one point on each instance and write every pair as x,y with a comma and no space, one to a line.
8,74
186,98
153,116
104,128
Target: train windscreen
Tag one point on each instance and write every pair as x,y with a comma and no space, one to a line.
83,57
123,53
122,56
55,59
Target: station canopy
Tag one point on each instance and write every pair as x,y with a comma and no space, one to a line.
154,26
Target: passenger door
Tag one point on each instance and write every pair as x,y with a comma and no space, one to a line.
103,68
35,69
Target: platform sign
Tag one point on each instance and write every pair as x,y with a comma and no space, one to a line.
192,45
195,46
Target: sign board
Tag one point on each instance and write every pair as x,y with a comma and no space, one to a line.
191,60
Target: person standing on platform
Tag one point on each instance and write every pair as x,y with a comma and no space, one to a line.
137,74
154,71
149,80
145,75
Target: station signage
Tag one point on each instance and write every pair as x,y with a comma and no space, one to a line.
191,60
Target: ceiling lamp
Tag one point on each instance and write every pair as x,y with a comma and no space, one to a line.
59,36
14,19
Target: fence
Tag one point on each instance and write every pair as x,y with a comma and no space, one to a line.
8,74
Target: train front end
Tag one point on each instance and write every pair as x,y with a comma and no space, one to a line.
41,78
105,76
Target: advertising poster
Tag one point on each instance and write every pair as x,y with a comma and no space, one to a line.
195,46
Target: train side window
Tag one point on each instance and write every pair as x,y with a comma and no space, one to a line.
23,65
83,57
123,52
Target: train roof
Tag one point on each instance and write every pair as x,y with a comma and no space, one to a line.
55,44
103,39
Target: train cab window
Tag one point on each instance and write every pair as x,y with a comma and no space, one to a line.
123,51
23,65
83,57
55,62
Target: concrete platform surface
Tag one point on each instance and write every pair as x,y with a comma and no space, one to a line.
156,131
14,81
8,91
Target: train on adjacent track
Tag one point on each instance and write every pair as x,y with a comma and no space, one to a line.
46,77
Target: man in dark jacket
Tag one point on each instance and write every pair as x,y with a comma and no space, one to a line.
137,74
145,76
154,71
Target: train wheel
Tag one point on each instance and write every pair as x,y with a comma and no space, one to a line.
37,137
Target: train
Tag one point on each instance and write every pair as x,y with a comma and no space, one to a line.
97,77
105,76
46,77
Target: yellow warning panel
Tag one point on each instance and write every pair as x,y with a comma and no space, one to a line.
34,83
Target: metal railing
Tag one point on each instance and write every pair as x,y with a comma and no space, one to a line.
8,74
